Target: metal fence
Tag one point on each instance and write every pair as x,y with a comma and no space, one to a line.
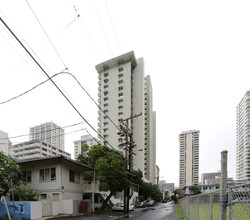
239,202
207,206
202,206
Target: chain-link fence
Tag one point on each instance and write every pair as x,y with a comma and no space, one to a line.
207,206
239,202
203,206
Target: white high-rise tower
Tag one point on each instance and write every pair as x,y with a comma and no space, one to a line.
243,138
189,158
124,91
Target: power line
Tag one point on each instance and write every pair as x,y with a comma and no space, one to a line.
15,97
53,82
85,29
46,34
68,73
104,33
113,27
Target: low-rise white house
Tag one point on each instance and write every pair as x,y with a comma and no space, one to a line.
59,183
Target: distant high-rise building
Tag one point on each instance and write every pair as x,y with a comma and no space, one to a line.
243,138
189,158
124,91
49,133
85,140
4,142
210,178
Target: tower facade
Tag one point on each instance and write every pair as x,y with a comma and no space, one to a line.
88,140
243,138
5,144
189,158
49,133
124,91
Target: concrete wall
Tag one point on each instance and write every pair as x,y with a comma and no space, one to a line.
36,210
65,207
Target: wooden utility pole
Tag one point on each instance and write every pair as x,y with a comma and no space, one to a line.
129,145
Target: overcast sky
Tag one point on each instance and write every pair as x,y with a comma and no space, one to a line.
196,52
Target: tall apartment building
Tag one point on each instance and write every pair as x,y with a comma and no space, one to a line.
243,138
4,142
189,158
49,133
35,149
85,140
124,91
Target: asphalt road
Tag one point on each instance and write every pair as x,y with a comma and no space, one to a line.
164,211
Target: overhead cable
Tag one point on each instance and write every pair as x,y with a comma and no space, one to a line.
24,135
54,82
113,27
46,34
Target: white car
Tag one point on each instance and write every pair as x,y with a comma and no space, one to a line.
119,207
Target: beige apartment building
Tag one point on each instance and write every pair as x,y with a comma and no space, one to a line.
124,91
4,142
189,158
85,140
35,149
243,138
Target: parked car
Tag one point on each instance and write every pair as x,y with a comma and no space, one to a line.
164,201
150,203
141,204
119,207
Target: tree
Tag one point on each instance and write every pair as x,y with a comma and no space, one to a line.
149,190
110,167
195,190
26,194
9,171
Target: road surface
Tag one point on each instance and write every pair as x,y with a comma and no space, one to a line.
164,211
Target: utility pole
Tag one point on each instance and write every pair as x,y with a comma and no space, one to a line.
129,145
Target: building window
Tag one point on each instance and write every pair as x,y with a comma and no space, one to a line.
27,176
74,176
120,69
47,175
106,74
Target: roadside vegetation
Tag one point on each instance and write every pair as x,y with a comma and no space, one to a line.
179,213
11,175
110,167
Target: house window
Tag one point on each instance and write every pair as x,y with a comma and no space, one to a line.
47,175
27,176
74,176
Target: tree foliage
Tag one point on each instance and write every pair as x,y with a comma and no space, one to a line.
26,194
195,190
110,167
149,190
9,171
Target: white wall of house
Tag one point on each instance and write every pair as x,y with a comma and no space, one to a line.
60,188
36,210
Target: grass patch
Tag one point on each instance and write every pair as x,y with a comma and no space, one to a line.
179,213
